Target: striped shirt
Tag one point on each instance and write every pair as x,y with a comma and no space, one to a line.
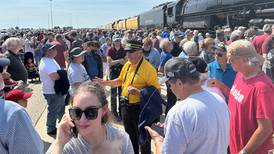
17,134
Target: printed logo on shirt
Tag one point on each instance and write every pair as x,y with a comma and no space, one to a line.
237,94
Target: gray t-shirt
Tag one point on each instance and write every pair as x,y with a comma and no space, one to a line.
17,134
76,73
80,146
197,125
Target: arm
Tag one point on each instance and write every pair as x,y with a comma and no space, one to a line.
114,62
216,83
158,140
63,135
260,135
161,69
57,148
54,76
113,83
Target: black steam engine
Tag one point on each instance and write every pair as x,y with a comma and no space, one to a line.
204,14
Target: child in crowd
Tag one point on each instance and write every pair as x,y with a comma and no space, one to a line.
32,69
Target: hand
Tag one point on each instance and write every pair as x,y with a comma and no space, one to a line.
154,135
63,130
99,81
6,75
133,91
214,83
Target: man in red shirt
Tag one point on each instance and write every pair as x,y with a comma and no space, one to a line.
259,40
251,101
61,48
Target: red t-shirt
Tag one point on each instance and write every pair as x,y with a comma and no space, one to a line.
250,100
60,57
258,42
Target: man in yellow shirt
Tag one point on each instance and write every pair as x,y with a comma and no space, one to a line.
136,74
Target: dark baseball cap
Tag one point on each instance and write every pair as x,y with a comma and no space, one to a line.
177,68
47,47
133,45
76,52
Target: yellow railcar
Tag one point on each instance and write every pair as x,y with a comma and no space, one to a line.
116,25
132,23
122,25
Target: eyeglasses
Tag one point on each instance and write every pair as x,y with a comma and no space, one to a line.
91,112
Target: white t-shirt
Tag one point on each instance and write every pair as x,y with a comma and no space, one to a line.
48,66
76,73
28,47
197,125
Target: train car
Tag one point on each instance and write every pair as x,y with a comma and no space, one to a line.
154,18
206,14
115,25
107,26
122,24
132,23
202,14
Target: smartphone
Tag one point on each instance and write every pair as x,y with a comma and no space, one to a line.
158,129
74,131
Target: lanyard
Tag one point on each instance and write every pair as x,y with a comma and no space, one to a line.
137,68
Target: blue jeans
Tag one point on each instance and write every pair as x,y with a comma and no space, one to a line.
37,60
56,109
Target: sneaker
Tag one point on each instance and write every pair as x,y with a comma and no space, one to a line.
53,132
10,83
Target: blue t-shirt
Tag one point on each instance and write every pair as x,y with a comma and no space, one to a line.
92,66
226,76
165,56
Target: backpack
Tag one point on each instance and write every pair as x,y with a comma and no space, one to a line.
269,65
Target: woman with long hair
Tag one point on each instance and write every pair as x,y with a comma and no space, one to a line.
87,128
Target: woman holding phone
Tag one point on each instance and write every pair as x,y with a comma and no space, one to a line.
87,129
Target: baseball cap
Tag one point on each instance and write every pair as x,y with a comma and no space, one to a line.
188,31
179,34
244,48
267,28
116,38
178,68
220,46
4,61
16,95
133,45
76,52
47,47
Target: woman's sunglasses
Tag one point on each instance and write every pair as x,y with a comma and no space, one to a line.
91,112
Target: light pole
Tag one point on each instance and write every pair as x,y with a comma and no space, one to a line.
51,17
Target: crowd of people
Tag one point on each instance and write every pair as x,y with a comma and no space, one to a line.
219,90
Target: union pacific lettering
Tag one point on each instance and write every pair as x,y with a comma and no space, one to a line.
237,94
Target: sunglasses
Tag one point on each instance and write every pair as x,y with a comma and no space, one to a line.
91,112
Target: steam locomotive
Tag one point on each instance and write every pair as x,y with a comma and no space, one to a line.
200,14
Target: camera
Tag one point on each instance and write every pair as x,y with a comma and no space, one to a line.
124,100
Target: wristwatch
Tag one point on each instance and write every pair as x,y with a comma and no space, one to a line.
243,151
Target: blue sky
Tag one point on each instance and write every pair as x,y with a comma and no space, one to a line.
76,13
